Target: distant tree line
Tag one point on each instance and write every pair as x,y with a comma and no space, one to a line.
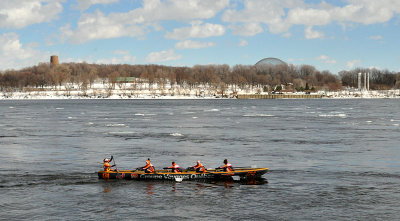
379,79
300,78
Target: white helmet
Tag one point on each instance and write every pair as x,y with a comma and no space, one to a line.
106,160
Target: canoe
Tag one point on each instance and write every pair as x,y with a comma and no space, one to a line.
241,173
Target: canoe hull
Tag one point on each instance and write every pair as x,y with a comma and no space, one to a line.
186,175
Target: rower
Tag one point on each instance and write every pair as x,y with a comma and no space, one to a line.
199,167
227,167
106,164
175,168
148,168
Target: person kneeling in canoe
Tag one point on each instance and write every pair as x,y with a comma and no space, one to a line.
148,168
106,164
227,167
175,168
199,167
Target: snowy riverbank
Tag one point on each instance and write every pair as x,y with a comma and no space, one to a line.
143,95
363,94
128,91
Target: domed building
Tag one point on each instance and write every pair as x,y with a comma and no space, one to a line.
270,61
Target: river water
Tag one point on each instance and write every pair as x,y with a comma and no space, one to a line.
328,159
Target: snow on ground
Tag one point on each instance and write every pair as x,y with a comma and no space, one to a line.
146,91
363,94
118,91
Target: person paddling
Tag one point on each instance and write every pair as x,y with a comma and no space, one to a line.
227,167
106,164
175,168
148,168
199,167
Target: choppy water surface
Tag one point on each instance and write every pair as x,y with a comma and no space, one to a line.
328,159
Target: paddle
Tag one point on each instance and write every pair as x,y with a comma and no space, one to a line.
115,164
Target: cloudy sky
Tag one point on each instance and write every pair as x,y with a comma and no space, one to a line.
331,35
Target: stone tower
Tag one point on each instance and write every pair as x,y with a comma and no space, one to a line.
53,60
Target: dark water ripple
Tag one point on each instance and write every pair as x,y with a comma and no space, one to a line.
329,159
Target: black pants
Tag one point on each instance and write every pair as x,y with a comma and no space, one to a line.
199,170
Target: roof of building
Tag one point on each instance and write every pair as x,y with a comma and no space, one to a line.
270,61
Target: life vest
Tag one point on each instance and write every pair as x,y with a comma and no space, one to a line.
175,168
106,166
149,167
228,167
200,167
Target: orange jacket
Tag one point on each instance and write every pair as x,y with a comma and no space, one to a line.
199,165
149,166
228,167
106,166
175,168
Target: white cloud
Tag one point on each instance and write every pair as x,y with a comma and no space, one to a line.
85,4
279,16
14,55
374,67
376,37
260,11
189,44
197,30
353,63
120,57
311,34
246,19
21,13
137,22
116,60
115,57
308,16
98,26
162,56
367,11
325,59
187,10
243,43
249,29
122,52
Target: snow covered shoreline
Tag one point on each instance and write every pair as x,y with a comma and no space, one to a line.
56,95
52,96
154,91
